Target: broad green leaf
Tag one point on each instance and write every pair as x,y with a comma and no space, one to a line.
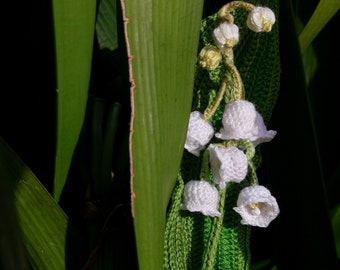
43,223
12,253
74,24
309,58
162,40
324,11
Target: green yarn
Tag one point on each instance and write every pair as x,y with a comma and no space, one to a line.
214,236
258,61
184,234
177,247
194,241
233,245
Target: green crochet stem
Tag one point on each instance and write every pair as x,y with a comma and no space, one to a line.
216,227
174,257
211,109
211,249
252,174
231,89
224,12
205,168
236,80
249,147
250,153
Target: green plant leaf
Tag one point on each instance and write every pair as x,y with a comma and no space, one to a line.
74,25
106,25
162,40
12,251
336,228
42,222
324,11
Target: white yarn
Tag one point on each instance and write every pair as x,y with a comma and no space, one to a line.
226,34
260,132
242,121
200,132
256,206
229,164
261,19
200,196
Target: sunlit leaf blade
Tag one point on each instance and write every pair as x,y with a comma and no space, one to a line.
324,11
42,221
74,24
162,37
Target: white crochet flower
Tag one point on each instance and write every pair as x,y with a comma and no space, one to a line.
256,206
226,35
200,132
229,164
200,196
261,19
242,121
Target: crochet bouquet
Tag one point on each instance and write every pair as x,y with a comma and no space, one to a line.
218,197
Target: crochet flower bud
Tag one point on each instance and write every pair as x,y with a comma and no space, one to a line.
210,58
241,121
200,132
226,35
256,206
229,164
261,19
200,196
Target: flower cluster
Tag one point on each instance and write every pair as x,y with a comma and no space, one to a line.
229,164
226,35
229,161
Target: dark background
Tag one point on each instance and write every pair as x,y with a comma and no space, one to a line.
301,165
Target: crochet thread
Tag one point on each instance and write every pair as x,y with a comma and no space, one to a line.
226,157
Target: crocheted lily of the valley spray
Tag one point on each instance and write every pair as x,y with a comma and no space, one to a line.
218,196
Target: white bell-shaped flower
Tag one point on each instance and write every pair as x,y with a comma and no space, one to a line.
226,35
261,19
242,121
256,206
200,196
200,132
229,164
